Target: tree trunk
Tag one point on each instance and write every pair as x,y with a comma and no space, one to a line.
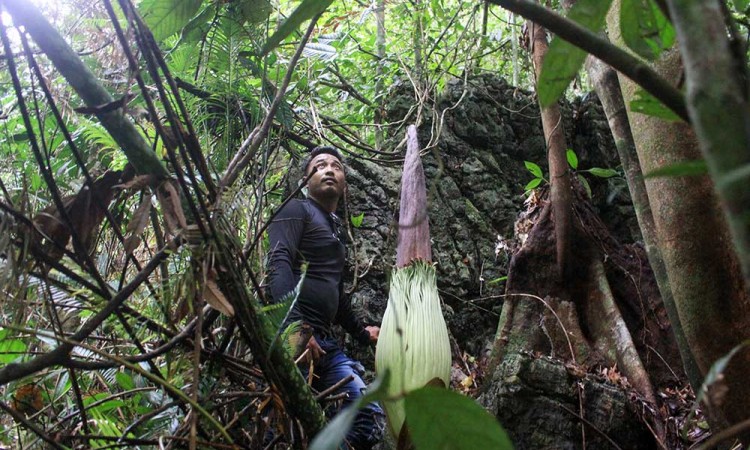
607,88
702,266
558,165
718,110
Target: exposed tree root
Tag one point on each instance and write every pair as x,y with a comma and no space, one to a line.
581,321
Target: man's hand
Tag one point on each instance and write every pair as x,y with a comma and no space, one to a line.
374,333
314,350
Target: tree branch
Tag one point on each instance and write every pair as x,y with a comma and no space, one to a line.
59,354
80,77
588,41
248,148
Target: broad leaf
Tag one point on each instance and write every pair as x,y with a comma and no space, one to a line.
602,173
11,349
199,25
332,436
357,220
717,369
714,376
586,186
255,11
125,381
741,5
681,169
285,115
533,184
646,103
572,158
563,59
167,17
644,28
443,419
305,11
534,169
325,52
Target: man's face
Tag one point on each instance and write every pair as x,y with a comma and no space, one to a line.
328,181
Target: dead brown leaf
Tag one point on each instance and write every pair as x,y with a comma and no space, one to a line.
137,183
171,208
214,297
85,210
137,224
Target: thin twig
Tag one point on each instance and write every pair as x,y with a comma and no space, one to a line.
30,425
591,425
333,388
251,144
724,435
59,354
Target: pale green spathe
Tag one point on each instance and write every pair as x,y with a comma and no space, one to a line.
413,343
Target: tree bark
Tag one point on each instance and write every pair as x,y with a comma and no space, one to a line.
554,137
613,334
607,88
718,110
700,261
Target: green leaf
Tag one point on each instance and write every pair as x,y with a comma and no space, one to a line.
332,436
167,17
498,280
646,103
602,173
714,374
533,184
305,11
534,169
11,349
199,25
443,419
572,158
125,381
357,220
285,115
255,11
681,169
644,28
586,185
741,5
563,60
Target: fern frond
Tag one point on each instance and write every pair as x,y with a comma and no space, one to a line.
318,50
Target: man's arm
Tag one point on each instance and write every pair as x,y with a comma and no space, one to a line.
284,235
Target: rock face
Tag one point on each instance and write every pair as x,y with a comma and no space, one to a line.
539,404
475,177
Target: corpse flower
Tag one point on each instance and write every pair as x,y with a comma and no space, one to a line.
413,344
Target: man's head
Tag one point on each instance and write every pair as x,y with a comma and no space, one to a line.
327,181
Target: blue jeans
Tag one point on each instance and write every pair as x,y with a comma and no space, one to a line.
333,367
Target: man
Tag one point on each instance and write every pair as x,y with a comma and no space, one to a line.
308,231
